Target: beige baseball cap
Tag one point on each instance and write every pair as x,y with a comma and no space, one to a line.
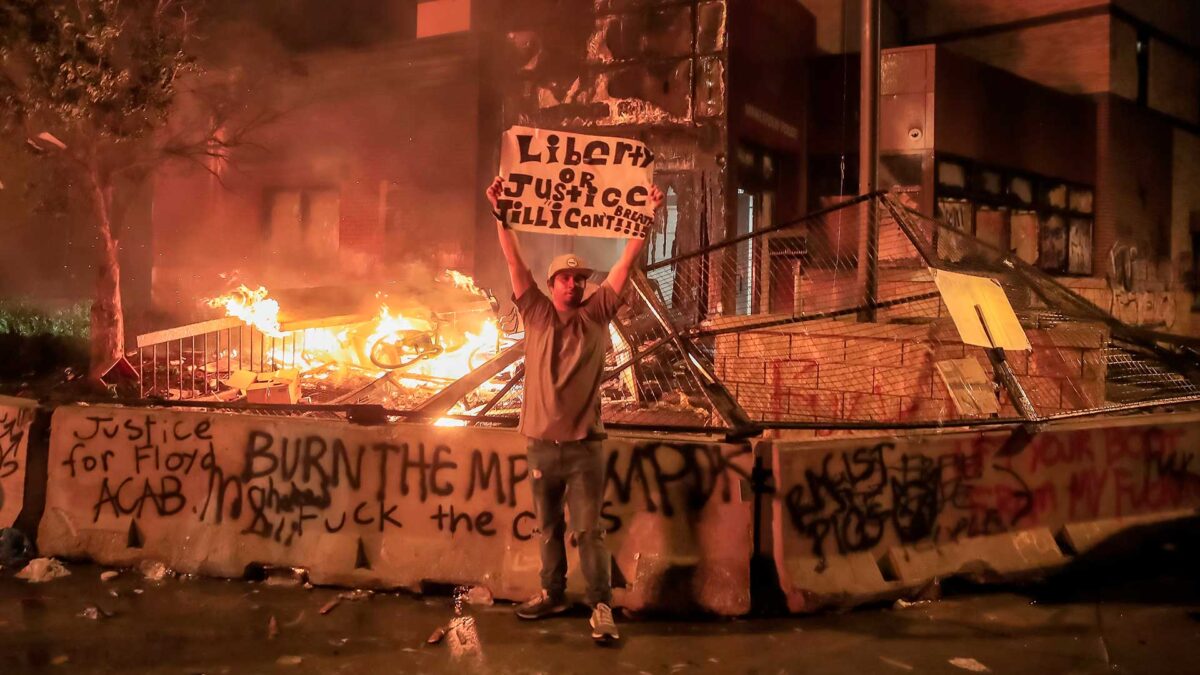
565,262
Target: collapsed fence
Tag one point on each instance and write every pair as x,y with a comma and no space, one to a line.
833,320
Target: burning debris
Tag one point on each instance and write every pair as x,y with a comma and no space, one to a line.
447,355
450,360
259,355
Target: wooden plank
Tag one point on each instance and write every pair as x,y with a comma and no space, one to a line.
325,322
187,331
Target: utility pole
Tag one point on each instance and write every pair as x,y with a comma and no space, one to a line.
868,126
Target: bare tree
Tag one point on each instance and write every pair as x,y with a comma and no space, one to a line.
92,84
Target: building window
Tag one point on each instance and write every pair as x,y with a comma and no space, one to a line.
440,17
302,222
1041,220
662,241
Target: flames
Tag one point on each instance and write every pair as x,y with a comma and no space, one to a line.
253,307
463,282
422,350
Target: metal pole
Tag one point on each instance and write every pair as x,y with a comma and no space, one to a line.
868,124
723,403
1004,373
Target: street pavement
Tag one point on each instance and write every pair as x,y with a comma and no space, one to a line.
1134,614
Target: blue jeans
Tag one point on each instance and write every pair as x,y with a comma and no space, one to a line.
570,471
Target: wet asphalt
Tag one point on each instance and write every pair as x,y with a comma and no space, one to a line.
1136,614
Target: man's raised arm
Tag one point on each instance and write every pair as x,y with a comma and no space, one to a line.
518,271
619,274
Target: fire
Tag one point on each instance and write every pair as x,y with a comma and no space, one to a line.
463,282
253,307
424,351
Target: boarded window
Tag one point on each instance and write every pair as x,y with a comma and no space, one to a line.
302,222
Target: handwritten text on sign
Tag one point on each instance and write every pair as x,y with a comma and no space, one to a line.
556,182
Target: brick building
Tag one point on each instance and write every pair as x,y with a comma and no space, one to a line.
393,109
1097,162
380,158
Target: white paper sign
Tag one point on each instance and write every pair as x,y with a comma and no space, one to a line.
557,182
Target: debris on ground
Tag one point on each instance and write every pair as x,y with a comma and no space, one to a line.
95,613
154,570
969,664
272,628
898,664
480,595
59,660
289,660
463,639
109,575
356,595
901,603
329,606
436,636
285,576
40,570
15,548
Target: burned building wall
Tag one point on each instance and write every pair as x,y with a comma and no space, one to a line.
364,173
654,70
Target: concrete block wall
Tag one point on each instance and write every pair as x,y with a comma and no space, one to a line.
16,418
844,522
840,370
385,506
854,520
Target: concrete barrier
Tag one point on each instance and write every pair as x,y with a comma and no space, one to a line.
384,506
861,519
16,417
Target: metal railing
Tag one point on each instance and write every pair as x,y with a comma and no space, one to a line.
782,328
191,361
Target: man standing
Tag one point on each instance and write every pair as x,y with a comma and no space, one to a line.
566,336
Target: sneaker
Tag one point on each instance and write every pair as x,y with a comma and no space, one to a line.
604,629
542,605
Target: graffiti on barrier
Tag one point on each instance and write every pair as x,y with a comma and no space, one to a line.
853,498
281,483
15,419
893,492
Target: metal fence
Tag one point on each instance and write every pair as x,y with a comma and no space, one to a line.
784,328
834,320
192,361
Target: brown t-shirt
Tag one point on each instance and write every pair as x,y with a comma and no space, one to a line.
564,363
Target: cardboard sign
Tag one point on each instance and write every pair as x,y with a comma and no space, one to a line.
981,311
557,182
